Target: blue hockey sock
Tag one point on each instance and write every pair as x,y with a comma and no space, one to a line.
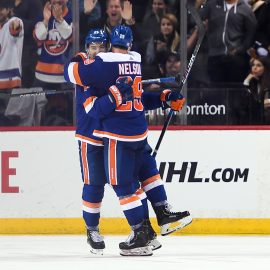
91,200
154,189
142,195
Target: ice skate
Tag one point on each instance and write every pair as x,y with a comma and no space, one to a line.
170,222
136,243
95,240
153,242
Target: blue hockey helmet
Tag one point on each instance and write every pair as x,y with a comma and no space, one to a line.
121,36
96,36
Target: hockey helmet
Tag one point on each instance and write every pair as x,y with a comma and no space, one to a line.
122,36
96,36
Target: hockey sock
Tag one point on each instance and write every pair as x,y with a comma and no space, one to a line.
154,189
91,200
130,203
133,209
140,192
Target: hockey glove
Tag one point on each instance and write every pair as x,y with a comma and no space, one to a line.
122,91
173,99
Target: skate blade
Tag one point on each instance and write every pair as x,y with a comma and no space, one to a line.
141,251
98,252
172,227
154,244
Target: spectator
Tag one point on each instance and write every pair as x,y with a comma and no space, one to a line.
30,11
167,41
169,67
139,9
11,45
117,12
90,11
151,21
54,36
258,84
261,10
198,77
231,29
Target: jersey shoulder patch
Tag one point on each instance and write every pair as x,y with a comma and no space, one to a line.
88,61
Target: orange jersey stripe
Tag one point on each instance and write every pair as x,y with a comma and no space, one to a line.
84,163
88,101
100,133
151,180
112,161
76,74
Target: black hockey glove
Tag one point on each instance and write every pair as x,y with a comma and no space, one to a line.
122,91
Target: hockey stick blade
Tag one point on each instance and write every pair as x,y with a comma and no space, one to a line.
201,30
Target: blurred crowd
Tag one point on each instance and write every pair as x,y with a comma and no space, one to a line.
36,39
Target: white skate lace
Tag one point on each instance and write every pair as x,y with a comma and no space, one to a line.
96,237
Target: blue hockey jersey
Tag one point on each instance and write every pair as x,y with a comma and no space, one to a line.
127,122
85,125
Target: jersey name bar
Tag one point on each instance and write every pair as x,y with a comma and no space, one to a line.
128,69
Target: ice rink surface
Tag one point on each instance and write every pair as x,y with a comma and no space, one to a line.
177,252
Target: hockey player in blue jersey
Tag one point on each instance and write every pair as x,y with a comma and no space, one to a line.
90,147
116,142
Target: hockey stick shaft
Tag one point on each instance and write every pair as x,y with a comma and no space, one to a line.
201,31
160,80
36,93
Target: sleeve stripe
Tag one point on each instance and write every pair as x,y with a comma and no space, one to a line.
70,73
74,74
89,103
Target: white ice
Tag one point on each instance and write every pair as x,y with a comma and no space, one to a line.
177,252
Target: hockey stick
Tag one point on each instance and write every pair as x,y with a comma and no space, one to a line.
201,31
37,93
163,80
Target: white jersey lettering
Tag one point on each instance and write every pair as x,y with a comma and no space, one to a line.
129,69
